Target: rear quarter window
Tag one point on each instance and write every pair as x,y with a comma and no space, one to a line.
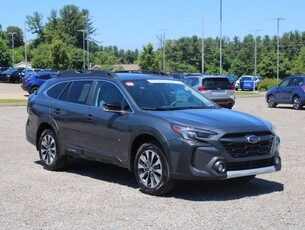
56,90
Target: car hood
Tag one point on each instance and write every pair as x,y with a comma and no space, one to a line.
215,119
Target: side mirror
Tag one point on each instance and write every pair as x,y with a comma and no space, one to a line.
114,107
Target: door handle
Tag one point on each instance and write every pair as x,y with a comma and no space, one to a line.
90,117
56,111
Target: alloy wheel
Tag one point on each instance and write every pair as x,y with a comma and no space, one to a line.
48,149
150,169
296,102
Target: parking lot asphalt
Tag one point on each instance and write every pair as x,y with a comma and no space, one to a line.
91,195
12,91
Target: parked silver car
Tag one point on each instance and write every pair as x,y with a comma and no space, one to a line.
218,88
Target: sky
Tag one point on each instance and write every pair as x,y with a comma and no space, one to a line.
132,24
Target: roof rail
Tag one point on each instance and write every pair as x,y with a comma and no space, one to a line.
152,72
86,73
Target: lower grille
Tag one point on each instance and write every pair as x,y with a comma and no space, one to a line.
250,164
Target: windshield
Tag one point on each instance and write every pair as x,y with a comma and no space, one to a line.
245,78
162,94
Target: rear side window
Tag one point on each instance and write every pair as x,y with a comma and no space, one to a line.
216,83
77,92
191,81
56,90
44,77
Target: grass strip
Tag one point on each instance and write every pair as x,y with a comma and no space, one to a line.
12,101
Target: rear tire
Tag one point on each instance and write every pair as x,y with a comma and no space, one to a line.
32,90
49,151
152,171
271,101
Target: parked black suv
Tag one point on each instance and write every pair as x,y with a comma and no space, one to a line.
157,127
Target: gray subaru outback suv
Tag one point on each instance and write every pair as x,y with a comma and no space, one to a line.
157,127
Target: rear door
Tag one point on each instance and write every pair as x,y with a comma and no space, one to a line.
69,113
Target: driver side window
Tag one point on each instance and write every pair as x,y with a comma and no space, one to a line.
108,93
284,83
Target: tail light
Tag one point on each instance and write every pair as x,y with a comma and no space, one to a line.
201,88
232,87
303,87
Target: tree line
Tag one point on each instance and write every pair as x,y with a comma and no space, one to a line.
63,42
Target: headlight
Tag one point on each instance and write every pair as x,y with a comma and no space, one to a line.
189,133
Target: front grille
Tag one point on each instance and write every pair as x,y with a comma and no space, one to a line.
250,164
238,146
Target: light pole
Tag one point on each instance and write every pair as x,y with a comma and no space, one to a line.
162,42
202,47
278,48
25,50
12,34
255,51
86,17
220,42
84,54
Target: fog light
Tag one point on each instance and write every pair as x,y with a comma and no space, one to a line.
278,140
220,167
277,160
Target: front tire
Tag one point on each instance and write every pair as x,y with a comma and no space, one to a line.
152,171
296,102
49,151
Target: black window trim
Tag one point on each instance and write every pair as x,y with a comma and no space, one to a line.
91,94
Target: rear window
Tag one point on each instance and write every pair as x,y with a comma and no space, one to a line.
246,79
216,83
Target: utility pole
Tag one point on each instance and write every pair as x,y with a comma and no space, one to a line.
255,51
84,51
220,40
162,43
13,56
202,47
278,48
25,48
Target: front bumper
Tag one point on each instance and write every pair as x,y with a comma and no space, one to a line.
201,162
250,172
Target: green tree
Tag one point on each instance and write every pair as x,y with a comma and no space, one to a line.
60,56
106,58
35,25
267,67
17,35
42,56
299,64
238,67
148,58
5,57
76,57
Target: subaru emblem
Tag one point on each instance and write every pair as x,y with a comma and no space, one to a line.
252,139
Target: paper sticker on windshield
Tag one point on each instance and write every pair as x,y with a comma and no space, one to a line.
130,84
165,81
